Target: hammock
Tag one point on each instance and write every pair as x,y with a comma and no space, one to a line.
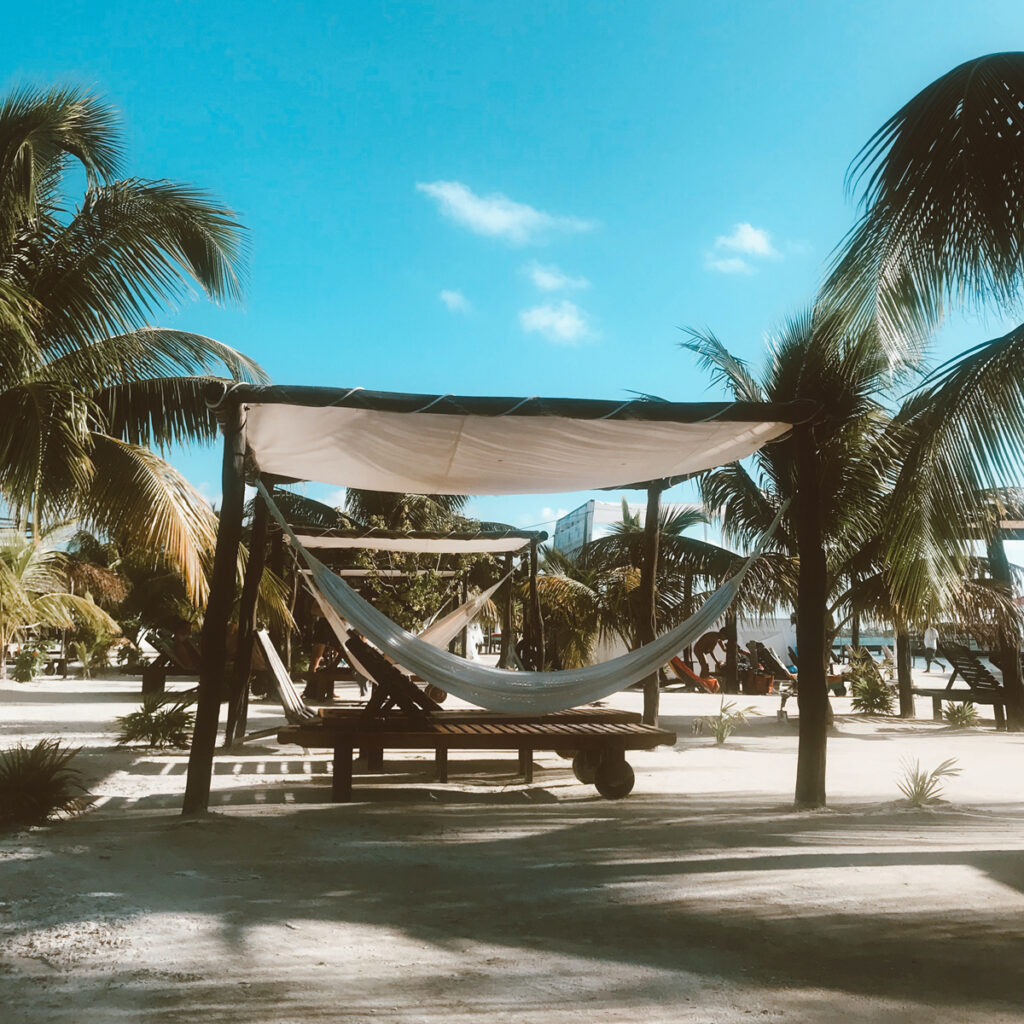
502,689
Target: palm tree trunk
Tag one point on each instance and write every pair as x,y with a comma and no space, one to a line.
218,612
812,610
647,626
904,675
1009,640
536,621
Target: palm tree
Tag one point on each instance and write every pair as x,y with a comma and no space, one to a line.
943,224
86,383
34,590
832,470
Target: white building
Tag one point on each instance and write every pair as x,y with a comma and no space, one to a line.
593,519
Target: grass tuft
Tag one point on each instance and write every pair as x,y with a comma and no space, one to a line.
729,716
922,788
963,715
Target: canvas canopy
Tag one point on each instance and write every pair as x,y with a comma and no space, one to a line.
421,542
448,444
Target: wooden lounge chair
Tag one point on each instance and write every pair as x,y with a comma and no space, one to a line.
984,687
690,680
400,716
166,663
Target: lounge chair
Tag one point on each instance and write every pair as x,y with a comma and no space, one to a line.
984,687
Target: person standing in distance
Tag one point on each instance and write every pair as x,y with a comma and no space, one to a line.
931,643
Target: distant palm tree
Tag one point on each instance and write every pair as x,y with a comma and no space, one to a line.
34,591
86,383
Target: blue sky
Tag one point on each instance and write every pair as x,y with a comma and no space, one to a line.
508,198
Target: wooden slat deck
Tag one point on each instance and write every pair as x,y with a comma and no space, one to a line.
343,734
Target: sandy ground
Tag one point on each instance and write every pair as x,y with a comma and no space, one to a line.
701,897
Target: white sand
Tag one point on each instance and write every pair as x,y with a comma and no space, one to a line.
701,897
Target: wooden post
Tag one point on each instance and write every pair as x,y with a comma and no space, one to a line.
218,612
904,675
855,617
1009,639
812,611
465,629
538,622
506,615
275,562
731,682
687,612
647,625
239,704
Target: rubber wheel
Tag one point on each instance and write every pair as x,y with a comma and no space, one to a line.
436,694
614,778
585,765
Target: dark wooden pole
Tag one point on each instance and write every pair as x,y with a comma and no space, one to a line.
731,682
239,707
218,612
506,615
904,674
275,562
465,628
1009,639
538,622
812,612
687,612
855,616
647,624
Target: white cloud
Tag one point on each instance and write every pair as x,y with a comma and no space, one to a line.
747,239
729,264
544,518
454,300
564,323
497,216
335,499
549,278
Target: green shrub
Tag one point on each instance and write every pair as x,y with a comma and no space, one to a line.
37,782
729,716
923,788
27,663
872,695
962,715
162,721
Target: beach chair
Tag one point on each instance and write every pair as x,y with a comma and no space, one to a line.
166,663
690,680
983,685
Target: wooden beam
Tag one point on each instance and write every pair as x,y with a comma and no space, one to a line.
1009,639
647,626
238,708
538,621
506,615
218,612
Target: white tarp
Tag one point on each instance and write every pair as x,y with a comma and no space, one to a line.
454,545
439,453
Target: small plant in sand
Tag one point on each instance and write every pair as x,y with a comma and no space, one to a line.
922,788
38,782
729,716
872,695
962,715
161,722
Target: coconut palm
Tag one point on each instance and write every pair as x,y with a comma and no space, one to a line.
86,383
942,224
34,590
833,470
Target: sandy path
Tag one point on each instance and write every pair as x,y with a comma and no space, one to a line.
700,898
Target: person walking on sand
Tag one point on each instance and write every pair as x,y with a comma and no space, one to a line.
931,643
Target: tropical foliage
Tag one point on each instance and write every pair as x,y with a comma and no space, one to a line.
39,782
86,383
34,591
162,721
920,787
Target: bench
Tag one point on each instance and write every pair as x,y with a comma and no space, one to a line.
597,738
985,688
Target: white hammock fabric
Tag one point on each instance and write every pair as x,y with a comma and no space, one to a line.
503,689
